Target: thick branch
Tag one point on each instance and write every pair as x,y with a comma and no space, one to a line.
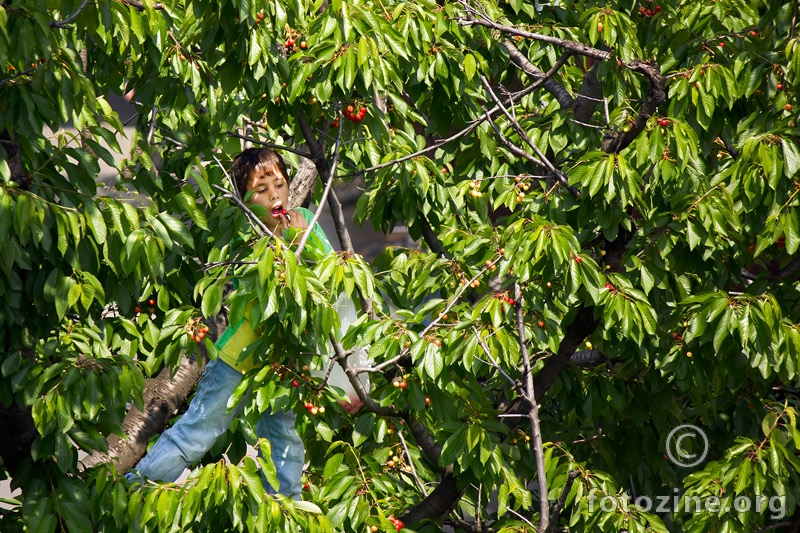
14,159
583,325
323,169
19,434
619,140
162,396
589,96
431,239
550,85
438,503
559,506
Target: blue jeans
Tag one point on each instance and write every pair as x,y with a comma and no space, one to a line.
185,443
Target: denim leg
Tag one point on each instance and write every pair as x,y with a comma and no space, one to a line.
185,443
288,452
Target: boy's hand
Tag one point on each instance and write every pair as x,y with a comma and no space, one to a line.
291,219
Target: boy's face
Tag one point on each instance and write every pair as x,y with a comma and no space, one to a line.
271,191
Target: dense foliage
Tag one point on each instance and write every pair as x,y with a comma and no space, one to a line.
606,200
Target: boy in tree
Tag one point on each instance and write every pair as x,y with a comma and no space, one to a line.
262,172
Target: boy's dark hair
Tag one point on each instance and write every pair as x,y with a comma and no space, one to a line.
255,161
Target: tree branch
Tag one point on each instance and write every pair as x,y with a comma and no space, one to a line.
138,4
162,396
590,94
66,21
558,91
559,506
542,161
583,325
617,141
571,46
533,415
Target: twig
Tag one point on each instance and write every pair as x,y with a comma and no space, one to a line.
66,21
152,129
514,383
411,464
542,161
512,511
533,415
432,324
254,220
773,526
269,145
138,4
209,266
572,46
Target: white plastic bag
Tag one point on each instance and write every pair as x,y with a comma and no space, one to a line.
347,315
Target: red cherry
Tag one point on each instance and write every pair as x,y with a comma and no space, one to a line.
721,45
151,302
305,486
788,107
663,122
541,324
137,309
362,112
403,384
658,8
578,259
303,45
753,33
427,400
609,286
781,241
335,123
295,383
201,334
779,86
398,525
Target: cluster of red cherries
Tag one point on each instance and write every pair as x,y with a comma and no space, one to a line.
645,12
291,45
353,114
506,299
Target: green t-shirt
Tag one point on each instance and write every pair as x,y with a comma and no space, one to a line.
238,337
